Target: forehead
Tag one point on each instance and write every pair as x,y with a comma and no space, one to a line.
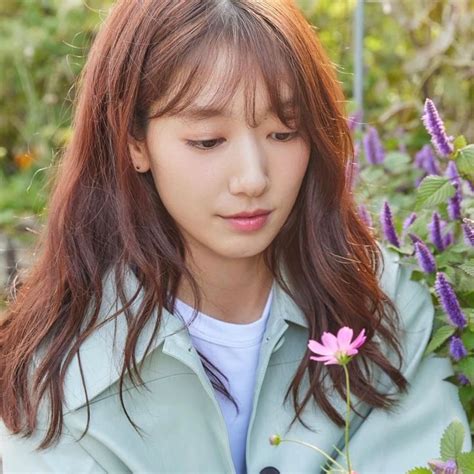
203,108
233,86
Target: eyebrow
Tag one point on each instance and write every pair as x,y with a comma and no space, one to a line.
198,113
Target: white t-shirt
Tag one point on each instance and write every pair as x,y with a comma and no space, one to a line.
234,349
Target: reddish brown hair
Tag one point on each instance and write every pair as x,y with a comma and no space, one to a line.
103,214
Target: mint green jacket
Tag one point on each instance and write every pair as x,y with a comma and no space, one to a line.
183,430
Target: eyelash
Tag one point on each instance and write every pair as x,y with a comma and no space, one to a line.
193,143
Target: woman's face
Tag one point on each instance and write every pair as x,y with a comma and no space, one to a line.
236,169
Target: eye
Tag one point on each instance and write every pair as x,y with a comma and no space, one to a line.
289,135
204,144
212,142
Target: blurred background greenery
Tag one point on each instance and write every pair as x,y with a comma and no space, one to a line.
412,50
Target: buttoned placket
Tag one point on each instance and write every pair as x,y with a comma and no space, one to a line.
180,347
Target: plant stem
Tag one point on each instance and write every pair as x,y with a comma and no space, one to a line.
315,448
348,412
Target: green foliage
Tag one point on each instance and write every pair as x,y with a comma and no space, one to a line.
440,336
43,45
465,161
451,450
433,190
452,441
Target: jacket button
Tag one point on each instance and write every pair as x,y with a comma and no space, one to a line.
269,470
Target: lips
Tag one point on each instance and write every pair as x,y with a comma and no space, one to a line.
242,215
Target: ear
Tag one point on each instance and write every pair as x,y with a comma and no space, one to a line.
139,154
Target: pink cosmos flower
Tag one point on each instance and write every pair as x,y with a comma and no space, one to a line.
337,349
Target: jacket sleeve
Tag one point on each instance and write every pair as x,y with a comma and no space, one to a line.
67,456
395,442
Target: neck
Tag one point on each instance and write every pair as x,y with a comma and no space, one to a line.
234,292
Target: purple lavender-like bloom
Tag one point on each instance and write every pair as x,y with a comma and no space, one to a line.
374,152
409,221
443,467
435,127
468,234
434,228
387,225
463,380
452,172
426,159
425,258
449,301
448,239
454,203
414,238
354,120
365,215
456,348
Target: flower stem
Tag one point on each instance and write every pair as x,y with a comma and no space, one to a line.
315,448
348,412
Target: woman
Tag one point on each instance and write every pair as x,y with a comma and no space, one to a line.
159,332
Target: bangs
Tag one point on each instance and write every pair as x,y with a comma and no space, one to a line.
231,55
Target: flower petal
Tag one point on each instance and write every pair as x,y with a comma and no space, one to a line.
344,337
351,351
318,348
359,340
330,341
323,358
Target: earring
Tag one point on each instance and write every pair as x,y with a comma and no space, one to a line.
137,167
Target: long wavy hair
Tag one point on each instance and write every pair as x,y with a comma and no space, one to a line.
104,214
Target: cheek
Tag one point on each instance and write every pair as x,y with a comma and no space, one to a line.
291,172
184,188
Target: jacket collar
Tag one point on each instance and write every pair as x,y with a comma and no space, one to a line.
102,353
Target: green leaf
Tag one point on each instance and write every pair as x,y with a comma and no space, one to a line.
396,161
438,338
466,366
465,462
420,470
468,267
465,161
433,190
468,340
459,142
452,441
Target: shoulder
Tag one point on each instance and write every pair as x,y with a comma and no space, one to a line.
101,355
414,305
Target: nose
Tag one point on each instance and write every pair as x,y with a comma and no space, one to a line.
250,175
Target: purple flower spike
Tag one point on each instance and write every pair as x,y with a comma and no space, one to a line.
443,467
365,215
468,234
463,380
449,301
407,223
457,349
452,172
448,239
435,231
454,204
354,120
414,238
374,152
387,225
425,258
435,127
426,160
